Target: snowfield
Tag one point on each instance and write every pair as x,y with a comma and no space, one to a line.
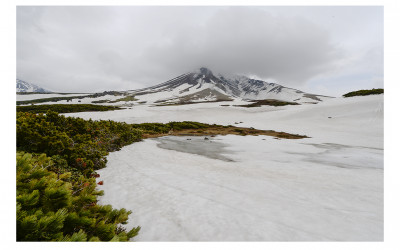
254,188
354,121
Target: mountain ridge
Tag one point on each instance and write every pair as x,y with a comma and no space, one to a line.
202,85
23,86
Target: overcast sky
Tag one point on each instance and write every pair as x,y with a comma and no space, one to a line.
322,50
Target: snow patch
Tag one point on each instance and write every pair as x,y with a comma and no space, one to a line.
325,188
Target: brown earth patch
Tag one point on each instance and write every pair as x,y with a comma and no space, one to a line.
226,130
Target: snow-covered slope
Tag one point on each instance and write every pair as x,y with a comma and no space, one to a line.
23,86
204,86
199,86
325,188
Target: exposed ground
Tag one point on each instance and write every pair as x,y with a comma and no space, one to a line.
209,95
226,130
267,102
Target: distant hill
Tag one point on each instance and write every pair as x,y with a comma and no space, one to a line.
23,86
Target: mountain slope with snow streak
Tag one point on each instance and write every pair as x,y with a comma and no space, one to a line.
23,86
203,85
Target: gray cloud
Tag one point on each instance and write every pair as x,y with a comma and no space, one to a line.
254,42
103,48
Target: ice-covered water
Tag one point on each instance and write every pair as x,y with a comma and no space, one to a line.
199,145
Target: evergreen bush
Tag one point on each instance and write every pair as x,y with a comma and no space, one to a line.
156,128
65,108
56,190
364,92
55,207
83,144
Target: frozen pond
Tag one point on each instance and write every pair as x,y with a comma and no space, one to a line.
199,145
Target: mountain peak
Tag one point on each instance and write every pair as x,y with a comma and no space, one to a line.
202,85
205,71
23,86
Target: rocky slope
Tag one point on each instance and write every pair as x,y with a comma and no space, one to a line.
203,85
23,86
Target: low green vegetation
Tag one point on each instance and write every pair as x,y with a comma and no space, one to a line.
47,93
56,186
51,99
161,128
101,101
364,92
69,98
124,99
65,108
58,207
267,102
73,138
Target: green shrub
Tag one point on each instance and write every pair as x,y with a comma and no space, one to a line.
69,98
56,197
152,128
364,92
83,144
65,108
187,125
128,98
55,207
268,102
156,128
101,101
50,99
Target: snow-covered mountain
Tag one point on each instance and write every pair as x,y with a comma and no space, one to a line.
23,86
203,85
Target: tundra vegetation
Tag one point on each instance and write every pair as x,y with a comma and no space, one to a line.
69,98
267,102
65,108
364,92
56,180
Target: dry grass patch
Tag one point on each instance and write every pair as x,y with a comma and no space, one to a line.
226,130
